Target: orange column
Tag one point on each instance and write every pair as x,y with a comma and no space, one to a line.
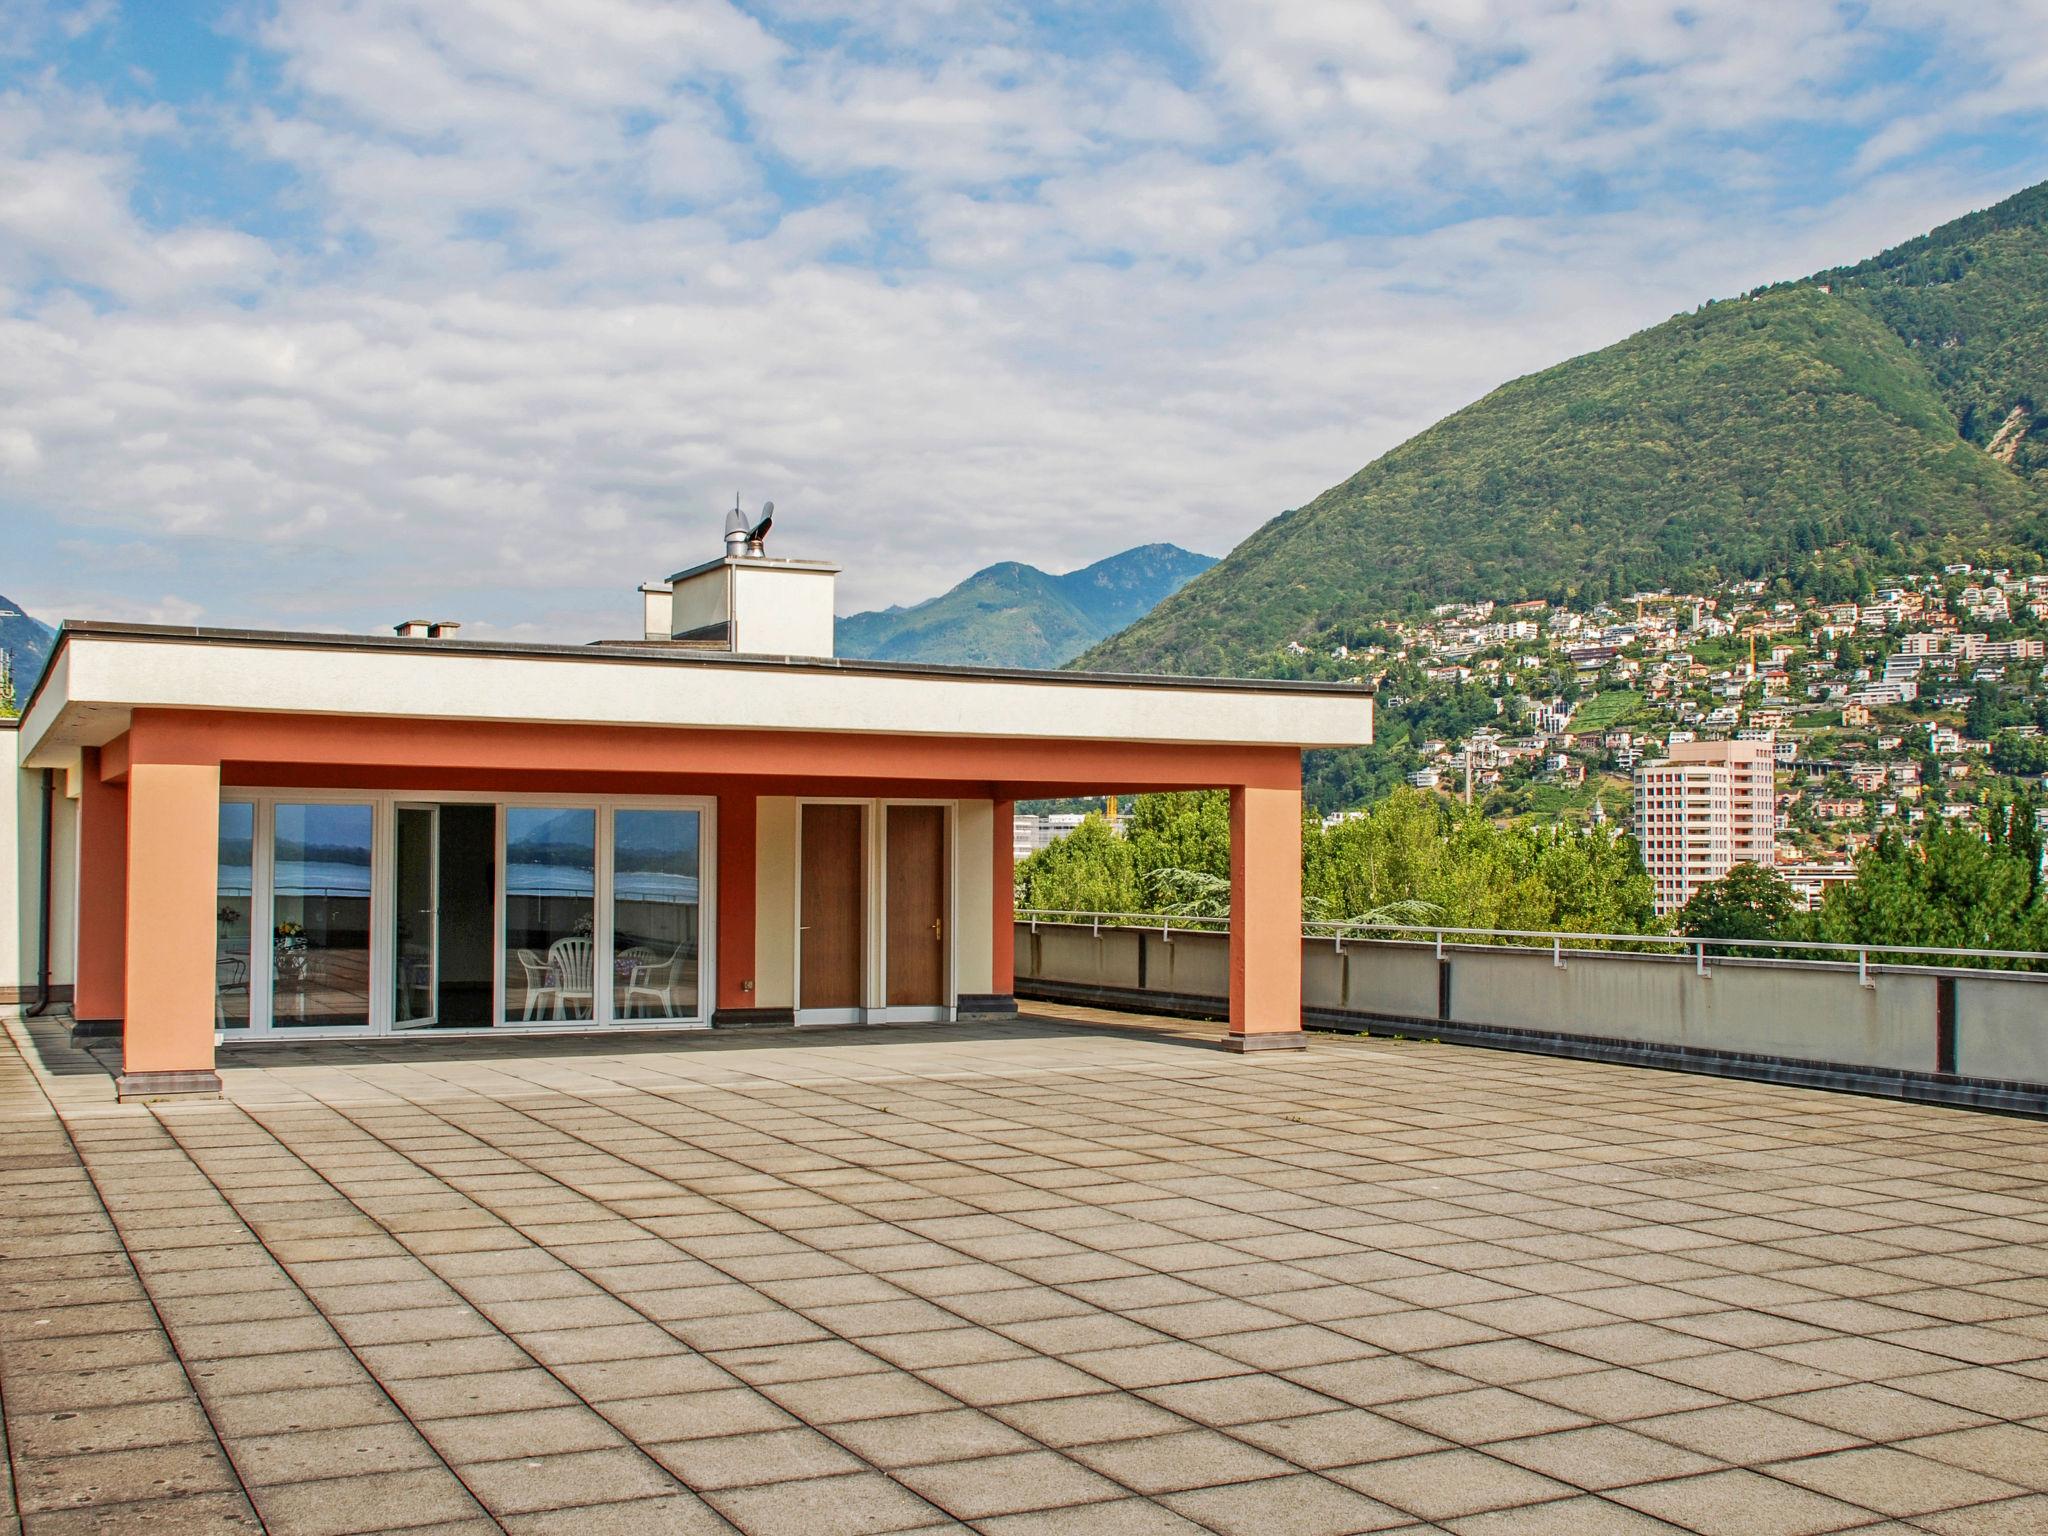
1265,919
173,888
100,994
1003,920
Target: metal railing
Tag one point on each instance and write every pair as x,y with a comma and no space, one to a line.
1562,943
1151,921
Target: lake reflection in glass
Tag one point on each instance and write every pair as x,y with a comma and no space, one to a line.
655,908
234,899
550,912
320,919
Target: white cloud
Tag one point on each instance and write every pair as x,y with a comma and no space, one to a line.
19,450
947,293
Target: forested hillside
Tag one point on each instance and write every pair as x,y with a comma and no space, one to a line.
1823,430
26,643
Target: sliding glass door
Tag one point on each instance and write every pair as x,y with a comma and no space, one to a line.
416,942
655,928
381,913
236,901
551,947
320,915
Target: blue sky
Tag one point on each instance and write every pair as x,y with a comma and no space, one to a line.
329,313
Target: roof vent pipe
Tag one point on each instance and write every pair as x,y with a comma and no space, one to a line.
743,537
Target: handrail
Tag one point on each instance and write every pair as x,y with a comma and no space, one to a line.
1687,941
1148,920
1556,939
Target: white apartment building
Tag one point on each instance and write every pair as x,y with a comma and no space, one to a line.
1703,809
1036,832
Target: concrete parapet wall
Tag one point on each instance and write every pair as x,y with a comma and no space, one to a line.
1776,1015
2002,1028
1793,1011
1076,956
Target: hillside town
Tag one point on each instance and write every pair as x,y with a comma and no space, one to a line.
1916,703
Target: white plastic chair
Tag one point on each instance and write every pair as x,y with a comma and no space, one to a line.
652,981
231,975
538,986
569,963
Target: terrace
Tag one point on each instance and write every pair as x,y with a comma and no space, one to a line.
1075,1272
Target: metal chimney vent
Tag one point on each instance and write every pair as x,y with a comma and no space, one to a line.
743,536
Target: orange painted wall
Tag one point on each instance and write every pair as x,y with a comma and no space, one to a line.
737,856
173,883
1265,910
101,980
773,761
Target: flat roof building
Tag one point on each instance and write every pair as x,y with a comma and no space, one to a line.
258,835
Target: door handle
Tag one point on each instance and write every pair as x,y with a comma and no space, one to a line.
937,929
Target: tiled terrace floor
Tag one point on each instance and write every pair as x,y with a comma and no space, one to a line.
1045,1277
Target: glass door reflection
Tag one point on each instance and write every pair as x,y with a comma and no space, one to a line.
320,916
655,912
235,902
550,913
416,918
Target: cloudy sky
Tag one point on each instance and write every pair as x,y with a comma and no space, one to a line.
327,313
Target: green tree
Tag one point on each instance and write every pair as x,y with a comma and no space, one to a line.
1421,847
2021,756
2014,825
1749,902
1088,870
1414,857
1189,831
1956,889
1186,893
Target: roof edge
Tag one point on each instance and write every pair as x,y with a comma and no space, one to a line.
655,654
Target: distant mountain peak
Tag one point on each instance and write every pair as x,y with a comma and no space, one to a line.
1011,614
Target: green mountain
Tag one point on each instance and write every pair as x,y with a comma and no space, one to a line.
26,644
1821,431
1014,615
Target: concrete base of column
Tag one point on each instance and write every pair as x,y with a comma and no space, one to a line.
987,1005
95,1029
1278,1040
131,1086
754,1018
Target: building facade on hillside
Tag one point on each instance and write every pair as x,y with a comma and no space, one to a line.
1035,832
1702,809
250,836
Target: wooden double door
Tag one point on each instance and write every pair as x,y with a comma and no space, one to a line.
849,912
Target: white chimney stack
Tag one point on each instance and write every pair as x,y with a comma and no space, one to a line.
745,601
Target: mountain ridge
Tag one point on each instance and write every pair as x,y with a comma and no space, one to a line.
26,642
1814,431
1013,614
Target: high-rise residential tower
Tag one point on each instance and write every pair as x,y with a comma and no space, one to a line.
1701,810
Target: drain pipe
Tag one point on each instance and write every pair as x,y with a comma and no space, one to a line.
49,861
